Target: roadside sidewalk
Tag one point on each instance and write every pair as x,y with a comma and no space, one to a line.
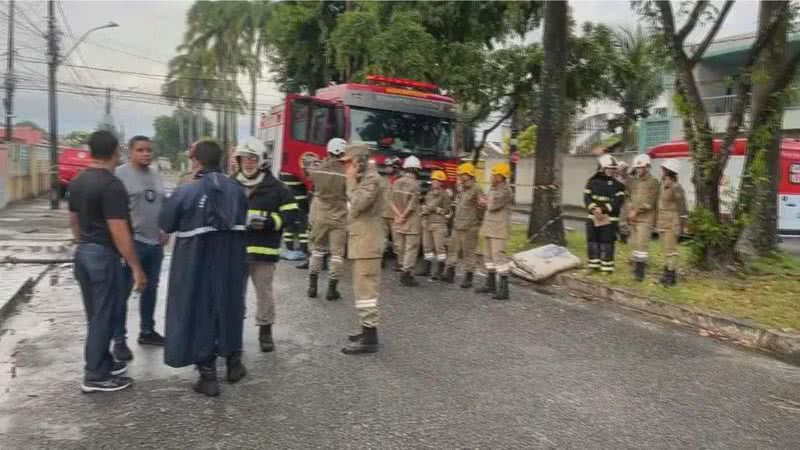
29,232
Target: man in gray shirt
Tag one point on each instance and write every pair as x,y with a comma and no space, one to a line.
146,197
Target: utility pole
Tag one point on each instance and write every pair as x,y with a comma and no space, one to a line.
9,100
52,66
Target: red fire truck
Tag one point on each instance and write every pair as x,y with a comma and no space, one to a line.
396,117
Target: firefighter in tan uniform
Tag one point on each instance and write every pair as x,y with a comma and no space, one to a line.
671,218
365,243
435,212
495,229
464,239
329,212
641,212
406,207
393,164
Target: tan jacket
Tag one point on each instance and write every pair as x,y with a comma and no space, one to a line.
643,198
388,212
364,222
330,192
405,195
186,177
672,209
436,208
497,221
468,211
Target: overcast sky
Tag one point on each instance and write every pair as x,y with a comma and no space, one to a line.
149,32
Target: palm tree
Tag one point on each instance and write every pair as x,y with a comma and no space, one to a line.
218,28
255,26
635,78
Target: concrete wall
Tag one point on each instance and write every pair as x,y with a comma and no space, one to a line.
24,172
576,170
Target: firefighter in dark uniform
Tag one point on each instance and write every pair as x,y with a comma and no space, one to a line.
604,196
269,206
295,235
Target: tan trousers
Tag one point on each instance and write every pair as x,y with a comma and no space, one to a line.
641,240
669,247
495,257
390,230
409,243
433,242
463,244
331,237
366,282
262,274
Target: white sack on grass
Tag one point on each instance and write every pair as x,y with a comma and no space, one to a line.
543,262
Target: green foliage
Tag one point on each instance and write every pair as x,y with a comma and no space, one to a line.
710,235
167,139
526,142
77,138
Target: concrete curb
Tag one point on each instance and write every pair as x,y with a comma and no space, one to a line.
786,346
23,294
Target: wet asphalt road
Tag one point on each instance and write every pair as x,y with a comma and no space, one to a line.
456,370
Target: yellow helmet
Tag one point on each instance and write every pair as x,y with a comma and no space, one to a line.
466,168
438,175
502,169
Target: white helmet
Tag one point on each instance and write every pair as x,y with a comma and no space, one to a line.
672,164
336,146
607,162
412,162
252,147
642,160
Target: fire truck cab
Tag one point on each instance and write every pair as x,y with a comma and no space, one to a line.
396,117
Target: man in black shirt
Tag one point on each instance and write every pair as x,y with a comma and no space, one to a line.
99,220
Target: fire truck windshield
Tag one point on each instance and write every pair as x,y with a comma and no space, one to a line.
402,133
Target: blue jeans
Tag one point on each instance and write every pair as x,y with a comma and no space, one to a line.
98,270
150,256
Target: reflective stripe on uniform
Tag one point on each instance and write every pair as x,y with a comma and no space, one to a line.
366,303
429,256
256,250
256,212
336,174
288,207
204,230
442,257
293,183
337,259
276,220
300,197
600,198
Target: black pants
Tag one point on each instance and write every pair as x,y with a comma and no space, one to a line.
295,235
600,245
98,269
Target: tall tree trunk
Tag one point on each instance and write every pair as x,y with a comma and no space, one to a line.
179,119
544,224
253,88
765,135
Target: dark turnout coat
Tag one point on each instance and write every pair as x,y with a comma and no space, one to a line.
206,295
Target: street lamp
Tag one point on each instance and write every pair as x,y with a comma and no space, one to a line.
52,66
83,38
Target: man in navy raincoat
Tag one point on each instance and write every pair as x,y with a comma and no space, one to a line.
206,297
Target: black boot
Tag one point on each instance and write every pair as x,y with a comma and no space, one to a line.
332,294
207,383
449,275
303,265
502,289
673,278
367,344
312,285
425,270
235,369
265,338
398,264
467,283
491,284
325,261
407,279
439,273
665,278
639,270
